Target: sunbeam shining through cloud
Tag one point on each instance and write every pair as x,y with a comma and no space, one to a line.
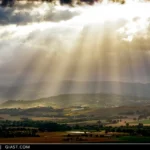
42,43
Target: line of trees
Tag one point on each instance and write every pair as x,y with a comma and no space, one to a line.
41,125
18,132
31,128
132,130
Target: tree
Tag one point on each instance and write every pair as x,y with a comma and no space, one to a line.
106,131
99,123
127,124
140,125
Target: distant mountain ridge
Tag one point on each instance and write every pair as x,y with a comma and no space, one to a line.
47,89
68,100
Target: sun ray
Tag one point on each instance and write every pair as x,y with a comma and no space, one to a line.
86,47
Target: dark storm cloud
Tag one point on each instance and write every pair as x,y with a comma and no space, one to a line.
31,13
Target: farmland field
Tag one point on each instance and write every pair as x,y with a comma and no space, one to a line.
56,137
145,121
60,137
134,139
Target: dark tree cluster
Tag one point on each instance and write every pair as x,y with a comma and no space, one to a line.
18,132
41,125
132,130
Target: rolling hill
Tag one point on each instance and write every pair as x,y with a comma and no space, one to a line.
20,90
69,100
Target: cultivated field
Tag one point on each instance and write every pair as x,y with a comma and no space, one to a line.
59,137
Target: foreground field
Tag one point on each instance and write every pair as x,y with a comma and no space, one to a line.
135,139
58,137
69,137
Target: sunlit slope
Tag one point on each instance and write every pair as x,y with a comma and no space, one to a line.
68,100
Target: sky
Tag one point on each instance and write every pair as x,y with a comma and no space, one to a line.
103,42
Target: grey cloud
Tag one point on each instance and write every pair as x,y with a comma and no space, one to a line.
23,14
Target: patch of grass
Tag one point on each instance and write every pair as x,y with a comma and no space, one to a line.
134,139
83,122
146,121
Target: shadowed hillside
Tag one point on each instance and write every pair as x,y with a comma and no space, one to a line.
68,100
46,89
